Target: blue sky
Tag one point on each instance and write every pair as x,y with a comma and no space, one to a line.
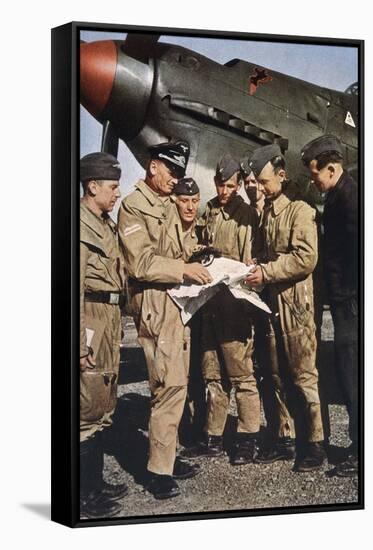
334,67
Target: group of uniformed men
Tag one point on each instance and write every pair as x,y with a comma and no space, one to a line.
156,235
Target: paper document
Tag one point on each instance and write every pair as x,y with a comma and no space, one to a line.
190,297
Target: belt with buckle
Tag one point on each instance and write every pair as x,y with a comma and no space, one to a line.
105,297
140,286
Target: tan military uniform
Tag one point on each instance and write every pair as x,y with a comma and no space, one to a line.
226,322
290,255
153,242
101,269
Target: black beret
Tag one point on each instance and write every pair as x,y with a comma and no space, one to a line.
261,156
186,186
322,144
99,166
226,167
175,153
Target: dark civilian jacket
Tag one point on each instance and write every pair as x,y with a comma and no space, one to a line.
341,240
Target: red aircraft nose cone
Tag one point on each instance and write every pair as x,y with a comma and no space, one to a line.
98,61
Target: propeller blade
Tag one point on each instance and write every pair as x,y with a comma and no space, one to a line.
140,46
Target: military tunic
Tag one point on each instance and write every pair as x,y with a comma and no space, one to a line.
101,269
153,243
226,322
290,255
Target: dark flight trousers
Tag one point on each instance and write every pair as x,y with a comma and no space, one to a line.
345,319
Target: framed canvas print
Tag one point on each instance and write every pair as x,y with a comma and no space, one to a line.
207,274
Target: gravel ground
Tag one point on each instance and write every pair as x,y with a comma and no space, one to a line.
219,485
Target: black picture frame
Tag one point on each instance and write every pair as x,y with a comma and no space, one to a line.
65,272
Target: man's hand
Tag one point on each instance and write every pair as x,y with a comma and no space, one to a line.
197,273
252,262
255,278
87,362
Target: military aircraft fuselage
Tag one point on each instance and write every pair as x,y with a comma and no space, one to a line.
154,92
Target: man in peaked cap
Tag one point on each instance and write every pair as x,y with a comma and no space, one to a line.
174,154
152,241
286,263
323,157
101,285
229,225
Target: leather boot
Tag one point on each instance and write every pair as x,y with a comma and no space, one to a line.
283,449
116,492
245,449
162,486
184,470
349,467
93,504
213,446
314,458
